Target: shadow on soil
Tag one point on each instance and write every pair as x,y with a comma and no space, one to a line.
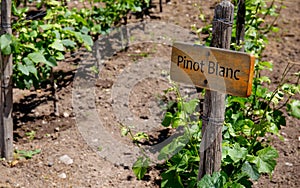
25,113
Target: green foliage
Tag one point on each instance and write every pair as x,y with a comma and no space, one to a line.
182,168
114,11
216,180
137,137
178,111
294,108
6,44
42,40
140,167
30,135
42,43
27,154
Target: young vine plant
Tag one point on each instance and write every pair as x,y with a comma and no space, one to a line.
41,40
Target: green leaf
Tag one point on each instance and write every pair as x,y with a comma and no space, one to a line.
87,39
189,107
236,185
68,43
237,153
294,108
6,50
57,45
30,46
140,167
46,27
52,60
250,170
167,120
124,131
38,57
57,34
278,118
23,69
171,179
275,29
174,147
140,136
232,100
5,42
217,180
248,127
265,160
267,64
33,34
178,119
263,79
28,154
54,3
84,29
59,56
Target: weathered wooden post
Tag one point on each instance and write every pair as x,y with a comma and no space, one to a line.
214,101
240,24
6,102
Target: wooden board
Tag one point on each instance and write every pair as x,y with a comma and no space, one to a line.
213,68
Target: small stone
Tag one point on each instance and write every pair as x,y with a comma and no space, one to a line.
62,175
56,129
66,114
283,133
4,186
66,159
288,164
50,164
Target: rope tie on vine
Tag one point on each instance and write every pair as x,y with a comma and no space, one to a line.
6,25
6,86
213,120
223,21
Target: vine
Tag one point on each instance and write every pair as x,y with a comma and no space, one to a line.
42,38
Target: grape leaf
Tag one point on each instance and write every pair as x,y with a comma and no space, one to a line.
171,178
38,57
294,108
265,161
57,45
5,42
23,69
68,43
250,170
237,153
140,167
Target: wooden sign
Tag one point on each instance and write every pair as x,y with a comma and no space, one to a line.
213,68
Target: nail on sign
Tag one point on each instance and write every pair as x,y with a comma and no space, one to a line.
213,68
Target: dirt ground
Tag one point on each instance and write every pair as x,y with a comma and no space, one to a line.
122,85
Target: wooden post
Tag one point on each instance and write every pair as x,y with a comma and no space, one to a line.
240,24
160,6
214,102
6,102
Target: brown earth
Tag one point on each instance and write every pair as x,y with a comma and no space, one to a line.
81,95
